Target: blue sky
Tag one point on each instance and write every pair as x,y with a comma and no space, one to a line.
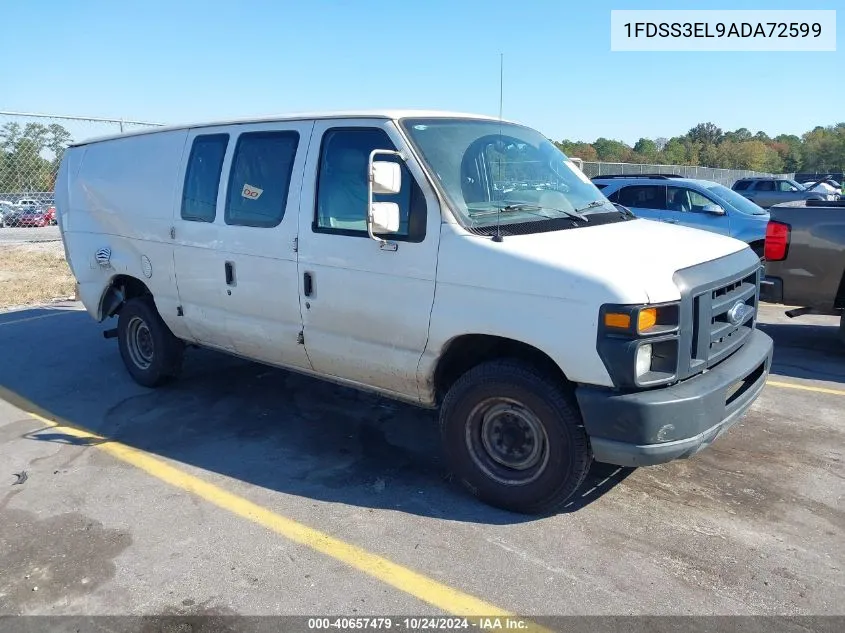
185,60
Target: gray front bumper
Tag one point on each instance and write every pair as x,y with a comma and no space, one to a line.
658,425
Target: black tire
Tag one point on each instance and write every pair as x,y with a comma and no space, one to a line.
496,406
151,353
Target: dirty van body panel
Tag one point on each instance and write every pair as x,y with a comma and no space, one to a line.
253,239
659,425
238,282
529,285
366,309
121,199
721,368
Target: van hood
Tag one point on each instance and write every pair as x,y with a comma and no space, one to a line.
628,262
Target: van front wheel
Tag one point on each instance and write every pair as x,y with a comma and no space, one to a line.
513,438
151,353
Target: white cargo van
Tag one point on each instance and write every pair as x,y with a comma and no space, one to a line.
450,261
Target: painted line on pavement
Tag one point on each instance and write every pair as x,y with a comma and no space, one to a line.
40,316
792,385
449,599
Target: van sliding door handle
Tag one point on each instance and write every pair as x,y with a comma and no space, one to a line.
230,273
307,284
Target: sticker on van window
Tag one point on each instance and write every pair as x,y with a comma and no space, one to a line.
251,193
574,169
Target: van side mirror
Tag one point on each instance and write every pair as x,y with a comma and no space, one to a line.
386,177
715,209
383,178
384,217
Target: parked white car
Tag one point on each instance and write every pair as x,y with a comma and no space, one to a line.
550,326
830,187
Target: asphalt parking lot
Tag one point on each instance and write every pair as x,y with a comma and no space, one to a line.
242,489
13,235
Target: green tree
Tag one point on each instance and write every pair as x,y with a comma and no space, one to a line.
646,148
792,157
58,138
705,133
824,148
713,155
577,149
742,134
24,167
610,150
674,153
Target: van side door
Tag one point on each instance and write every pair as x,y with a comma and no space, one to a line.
239,269
365,308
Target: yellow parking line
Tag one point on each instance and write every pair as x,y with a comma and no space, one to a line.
413,583
791,385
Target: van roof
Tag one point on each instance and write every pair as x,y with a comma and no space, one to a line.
304,116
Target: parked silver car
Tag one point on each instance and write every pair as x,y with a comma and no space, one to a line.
767,192
7,212
699,204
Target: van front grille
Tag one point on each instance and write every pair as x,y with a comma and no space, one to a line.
718,311
726,317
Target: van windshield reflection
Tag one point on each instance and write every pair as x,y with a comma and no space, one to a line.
502,172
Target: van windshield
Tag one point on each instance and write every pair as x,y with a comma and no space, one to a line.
488,169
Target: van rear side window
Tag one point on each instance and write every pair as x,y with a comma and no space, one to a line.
260,178
202,178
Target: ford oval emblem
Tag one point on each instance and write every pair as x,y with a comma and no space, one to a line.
738,312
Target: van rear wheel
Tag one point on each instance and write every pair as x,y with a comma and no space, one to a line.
151,353
513,438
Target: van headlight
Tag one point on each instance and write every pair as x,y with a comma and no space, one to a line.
643,363
638,344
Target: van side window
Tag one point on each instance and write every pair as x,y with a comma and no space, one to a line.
260,178
202,177
342,186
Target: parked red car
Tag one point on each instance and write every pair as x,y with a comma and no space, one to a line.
33,217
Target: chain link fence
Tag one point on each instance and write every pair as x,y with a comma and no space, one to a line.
31,148
726,177
32,264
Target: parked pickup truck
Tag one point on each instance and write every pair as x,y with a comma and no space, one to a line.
767,192
380,251
805,258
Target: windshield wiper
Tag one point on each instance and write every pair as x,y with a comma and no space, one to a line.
592,205
513,208
625,211
523,206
